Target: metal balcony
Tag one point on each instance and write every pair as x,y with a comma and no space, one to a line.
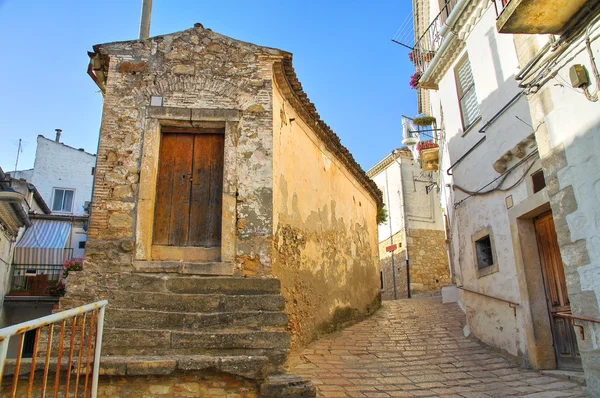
429,42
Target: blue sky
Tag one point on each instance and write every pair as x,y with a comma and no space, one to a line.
343,56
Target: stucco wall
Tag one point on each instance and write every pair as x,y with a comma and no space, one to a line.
569,141
325,231
495,86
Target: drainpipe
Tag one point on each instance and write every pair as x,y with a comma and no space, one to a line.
387,189
405,222
448,35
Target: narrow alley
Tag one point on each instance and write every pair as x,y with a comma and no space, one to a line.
416,348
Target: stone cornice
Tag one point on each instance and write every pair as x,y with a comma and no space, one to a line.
290,87
385,162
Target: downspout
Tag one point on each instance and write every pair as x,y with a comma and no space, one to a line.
387,189
405,222
448,35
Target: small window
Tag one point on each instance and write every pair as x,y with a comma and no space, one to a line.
82,244
485,258
538,180
484,253
63,200
469,106
381,280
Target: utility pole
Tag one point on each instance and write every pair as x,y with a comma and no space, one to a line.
145,22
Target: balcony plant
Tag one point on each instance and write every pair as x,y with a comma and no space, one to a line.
424,121
75,264
19,291
56,289
414,80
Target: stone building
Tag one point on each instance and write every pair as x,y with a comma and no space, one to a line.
518,155
415,225
228,222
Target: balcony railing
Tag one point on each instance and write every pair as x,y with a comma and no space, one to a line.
500,5
427,45
34,279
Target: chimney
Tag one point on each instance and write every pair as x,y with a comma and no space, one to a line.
58,131
145,22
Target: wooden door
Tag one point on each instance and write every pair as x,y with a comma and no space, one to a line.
565,341
189,190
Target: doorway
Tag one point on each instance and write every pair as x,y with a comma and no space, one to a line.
563,333
188,205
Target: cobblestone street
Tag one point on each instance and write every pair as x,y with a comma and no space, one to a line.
416,348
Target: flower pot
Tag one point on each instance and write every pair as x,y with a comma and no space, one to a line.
430,158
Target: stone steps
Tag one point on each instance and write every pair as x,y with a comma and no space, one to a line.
192,284
201,303
192,321
184,268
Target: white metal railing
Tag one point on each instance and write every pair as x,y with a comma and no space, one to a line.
78,318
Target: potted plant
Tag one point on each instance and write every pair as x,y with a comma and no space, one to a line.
414,80
75,264
429,155
423,121
56,289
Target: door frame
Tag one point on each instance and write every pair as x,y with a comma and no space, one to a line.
157,119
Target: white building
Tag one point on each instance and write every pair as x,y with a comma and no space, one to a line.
64,177
415,225
518,170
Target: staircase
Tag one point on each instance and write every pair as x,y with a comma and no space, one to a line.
189,317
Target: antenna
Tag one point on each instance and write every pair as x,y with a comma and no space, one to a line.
19,150
145,22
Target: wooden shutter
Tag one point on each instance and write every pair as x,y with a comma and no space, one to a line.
469,106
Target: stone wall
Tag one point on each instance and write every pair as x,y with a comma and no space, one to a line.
195,384
325,230
385,264
428,260
193,69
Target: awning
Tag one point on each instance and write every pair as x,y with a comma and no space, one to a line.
43,243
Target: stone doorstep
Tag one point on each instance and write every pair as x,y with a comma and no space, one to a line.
185,268
573,375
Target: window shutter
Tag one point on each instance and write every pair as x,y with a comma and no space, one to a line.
469,105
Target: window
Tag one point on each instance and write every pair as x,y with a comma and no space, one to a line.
469,106
484,253
538,180
483,248
82,244
381,280
63,200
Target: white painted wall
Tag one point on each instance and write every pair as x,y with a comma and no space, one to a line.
575,123
60,166
494,64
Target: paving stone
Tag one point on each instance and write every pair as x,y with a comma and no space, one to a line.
416,348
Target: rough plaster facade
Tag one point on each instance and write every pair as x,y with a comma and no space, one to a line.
569,158
415,222
296,206
505,214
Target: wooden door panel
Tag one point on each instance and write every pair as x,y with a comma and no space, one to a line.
162,211
207,190
181,190
557,296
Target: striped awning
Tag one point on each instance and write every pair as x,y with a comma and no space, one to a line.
43,243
